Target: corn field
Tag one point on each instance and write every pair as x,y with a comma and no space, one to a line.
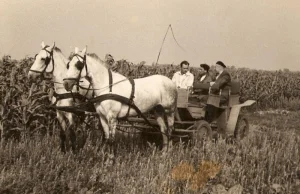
270,89
23,108
265,162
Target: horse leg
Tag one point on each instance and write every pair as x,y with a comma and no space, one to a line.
159,114
170,120
70,133
105,127
63,126
80,133
96,132
112,123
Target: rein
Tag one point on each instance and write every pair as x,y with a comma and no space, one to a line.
80,65
110,96
43,77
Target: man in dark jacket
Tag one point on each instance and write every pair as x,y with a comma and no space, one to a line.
222,84
204,77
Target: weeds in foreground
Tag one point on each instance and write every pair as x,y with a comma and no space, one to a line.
185,173
258,162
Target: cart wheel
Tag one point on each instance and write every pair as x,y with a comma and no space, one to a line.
203,131
242,127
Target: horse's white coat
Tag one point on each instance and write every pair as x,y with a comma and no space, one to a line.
149,93
60,68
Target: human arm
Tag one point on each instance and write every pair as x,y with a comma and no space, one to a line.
190,81
221,81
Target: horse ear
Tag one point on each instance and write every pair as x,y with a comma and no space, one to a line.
76,50
43,44
53,46
84,50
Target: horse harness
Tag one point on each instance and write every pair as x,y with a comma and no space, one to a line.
47,62
109,96
56,95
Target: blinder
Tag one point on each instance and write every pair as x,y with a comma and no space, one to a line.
79,65
47,60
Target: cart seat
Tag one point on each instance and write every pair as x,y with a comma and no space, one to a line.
182,98
234,93
235,87
234,97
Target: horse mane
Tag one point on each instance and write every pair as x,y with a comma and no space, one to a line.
95,56
56,49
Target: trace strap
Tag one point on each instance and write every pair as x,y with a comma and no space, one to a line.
75,95
121,99
131,95
130,101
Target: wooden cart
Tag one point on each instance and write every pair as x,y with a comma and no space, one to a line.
190,119
190,122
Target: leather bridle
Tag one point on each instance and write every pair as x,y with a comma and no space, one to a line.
47,62
80,65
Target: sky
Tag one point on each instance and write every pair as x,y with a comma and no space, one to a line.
257,34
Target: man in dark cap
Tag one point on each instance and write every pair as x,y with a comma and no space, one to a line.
202,78
222,84
109,60
205,77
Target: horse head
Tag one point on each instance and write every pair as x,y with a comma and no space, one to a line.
76,69
43,63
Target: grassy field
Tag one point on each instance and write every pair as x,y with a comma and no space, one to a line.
266,161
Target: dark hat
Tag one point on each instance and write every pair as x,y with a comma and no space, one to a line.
221,63
204,66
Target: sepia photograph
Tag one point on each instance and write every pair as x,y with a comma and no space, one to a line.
149,97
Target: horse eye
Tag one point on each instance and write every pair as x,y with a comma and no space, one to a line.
68,65
79,65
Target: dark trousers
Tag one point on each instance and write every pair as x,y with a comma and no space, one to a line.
213,113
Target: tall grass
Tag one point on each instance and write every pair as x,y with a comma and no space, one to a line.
34,164
264,158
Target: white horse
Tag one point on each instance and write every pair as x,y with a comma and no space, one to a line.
155,92
50,60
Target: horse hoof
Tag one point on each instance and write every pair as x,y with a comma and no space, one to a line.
165,147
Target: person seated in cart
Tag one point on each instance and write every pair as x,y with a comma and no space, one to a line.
223,84
204,77
183,79
109,60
